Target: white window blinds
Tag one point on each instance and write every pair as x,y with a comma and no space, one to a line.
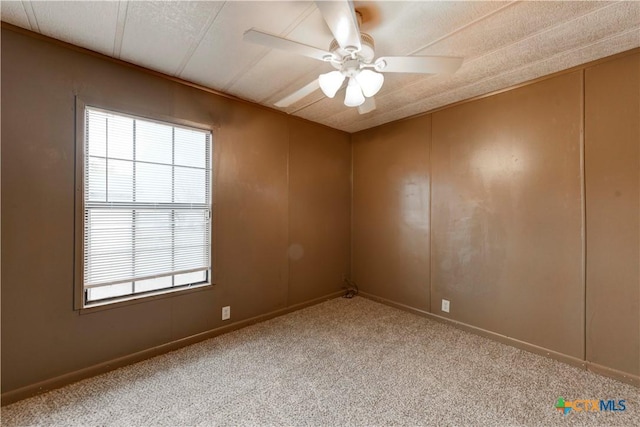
147,201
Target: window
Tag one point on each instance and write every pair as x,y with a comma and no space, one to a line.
146,211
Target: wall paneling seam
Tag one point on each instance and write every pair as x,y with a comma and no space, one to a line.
583,207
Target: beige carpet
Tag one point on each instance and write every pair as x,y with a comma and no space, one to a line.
343,362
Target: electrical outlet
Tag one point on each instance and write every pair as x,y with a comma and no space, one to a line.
445,305
226,313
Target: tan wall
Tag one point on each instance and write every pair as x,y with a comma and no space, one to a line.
507,243
267,177
507,205
612,165
391,211
319,210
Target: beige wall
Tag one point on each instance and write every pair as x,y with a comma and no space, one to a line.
506,214
508,210
279,181
612,164
319,211
391,211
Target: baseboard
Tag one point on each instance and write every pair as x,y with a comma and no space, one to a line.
91,371
613,373
570,360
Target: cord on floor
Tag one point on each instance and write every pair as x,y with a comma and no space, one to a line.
351,287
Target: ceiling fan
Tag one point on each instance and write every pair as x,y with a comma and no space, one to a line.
352,54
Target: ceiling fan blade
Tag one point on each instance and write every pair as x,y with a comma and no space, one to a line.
418,64
277,42
368,106
341,18
298,95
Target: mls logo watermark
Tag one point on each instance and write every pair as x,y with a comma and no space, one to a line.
590,405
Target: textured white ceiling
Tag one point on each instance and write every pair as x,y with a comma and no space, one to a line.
503,44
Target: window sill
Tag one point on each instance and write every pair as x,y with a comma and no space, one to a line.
137,299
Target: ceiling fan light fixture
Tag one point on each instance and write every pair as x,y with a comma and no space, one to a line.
354,96
330,82
370,82
352,54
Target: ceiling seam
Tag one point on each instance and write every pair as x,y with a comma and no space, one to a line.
194,46
299,82
24,9
494,77
477,58
309,104
31,16
464,27
123,9
301,18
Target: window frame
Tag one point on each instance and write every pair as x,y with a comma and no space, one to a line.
79,302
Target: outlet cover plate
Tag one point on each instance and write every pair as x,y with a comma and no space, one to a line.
226,313
445,305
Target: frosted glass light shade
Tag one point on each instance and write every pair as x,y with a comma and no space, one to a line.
354,97
370,82
331,82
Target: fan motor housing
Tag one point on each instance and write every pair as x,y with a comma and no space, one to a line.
365,54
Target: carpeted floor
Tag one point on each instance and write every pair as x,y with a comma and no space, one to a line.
342,362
